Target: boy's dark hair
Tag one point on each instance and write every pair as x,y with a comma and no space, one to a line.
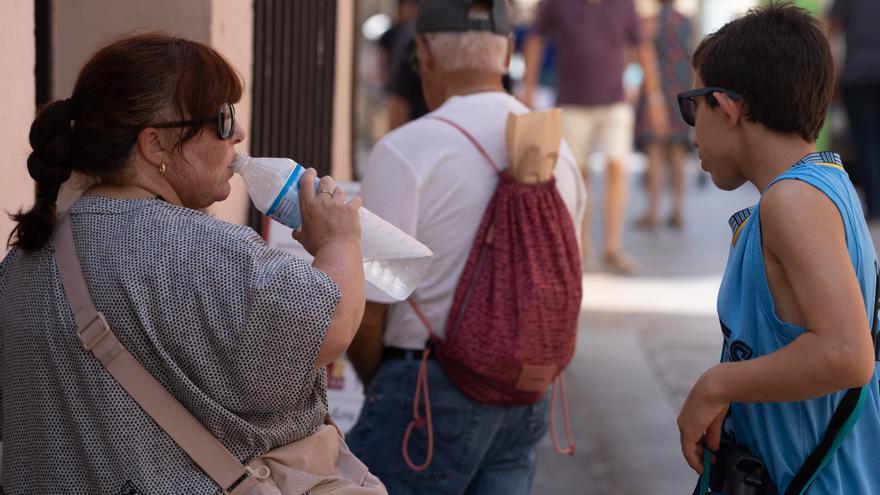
778,59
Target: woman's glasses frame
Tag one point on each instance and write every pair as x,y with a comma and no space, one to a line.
687,101
225,121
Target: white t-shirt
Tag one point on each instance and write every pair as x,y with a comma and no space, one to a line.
430,181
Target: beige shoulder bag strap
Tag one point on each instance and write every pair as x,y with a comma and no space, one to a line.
95,334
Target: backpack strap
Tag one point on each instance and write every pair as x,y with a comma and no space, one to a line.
842,422
559,383
875,325
470,138
418,420
96,337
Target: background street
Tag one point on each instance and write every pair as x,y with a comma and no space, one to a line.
643,342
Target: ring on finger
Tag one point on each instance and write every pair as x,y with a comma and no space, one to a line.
327,191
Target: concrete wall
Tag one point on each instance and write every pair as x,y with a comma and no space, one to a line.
17,83
341,152
80,27
232,33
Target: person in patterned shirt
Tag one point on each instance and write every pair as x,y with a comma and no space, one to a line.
671,33
237,332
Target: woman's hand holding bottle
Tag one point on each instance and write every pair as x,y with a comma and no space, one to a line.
326,216
331,232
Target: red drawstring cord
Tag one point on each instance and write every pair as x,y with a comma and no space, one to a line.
418,421
421,389
422,382
560,382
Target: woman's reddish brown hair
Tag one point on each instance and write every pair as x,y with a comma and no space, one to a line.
128,85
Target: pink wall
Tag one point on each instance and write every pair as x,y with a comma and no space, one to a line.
17,85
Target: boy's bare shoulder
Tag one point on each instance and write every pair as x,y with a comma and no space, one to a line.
794,212
792,196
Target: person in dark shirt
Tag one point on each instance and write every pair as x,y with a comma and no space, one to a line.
395,41
405,101
860,88
592,37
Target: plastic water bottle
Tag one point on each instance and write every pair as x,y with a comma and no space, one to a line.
394,262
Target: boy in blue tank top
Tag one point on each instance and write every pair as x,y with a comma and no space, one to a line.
797,385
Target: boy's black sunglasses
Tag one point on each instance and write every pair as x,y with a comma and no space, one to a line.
225,122
687,101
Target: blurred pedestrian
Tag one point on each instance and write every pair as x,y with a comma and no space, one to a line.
860,88
405,99
430,181
545,92
794,406
396,39
236,333
592,38
671,33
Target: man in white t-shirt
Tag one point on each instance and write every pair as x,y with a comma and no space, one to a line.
430,181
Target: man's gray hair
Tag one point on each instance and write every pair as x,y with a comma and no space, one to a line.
469,50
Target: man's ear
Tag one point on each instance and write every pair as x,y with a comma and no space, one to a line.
423,52
151,146
733,110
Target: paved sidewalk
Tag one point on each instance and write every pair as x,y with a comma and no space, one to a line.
644,341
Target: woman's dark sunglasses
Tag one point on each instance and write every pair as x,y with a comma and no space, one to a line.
687,101
225,122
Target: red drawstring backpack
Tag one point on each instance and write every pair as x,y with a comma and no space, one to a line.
513,322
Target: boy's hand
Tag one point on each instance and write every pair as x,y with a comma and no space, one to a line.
701,418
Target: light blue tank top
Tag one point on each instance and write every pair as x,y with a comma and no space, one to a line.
784,434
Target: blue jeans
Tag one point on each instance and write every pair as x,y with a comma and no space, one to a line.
479,449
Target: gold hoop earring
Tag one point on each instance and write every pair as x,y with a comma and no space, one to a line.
162,168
